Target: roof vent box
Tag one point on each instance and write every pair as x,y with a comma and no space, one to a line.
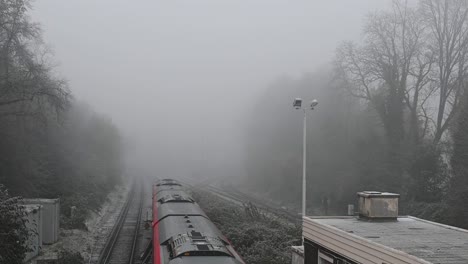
378,205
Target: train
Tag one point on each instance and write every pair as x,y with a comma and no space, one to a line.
182,232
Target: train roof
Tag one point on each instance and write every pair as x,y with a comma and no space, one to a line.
185,231
205,260
171,195
167,182
409,238
159,188
197,237
178,225
179,209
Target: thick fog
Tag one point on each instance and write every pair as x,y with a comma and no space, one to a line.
180,77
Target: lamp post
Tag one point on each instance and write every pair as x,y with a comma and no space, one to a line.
298,105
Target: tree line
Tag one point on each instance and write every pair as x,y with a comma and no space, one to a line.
51,146
392,116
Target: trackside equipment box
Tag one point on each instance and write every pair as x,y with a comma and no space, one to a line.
51,218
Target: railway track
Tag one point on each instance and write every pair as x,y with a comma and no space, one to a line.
121,244
242,198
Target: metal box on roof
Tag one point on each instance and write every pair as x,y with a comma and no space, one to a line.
34,221
51,218
378,205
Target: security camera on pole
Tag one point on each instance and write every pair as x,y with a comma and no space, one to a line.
298,105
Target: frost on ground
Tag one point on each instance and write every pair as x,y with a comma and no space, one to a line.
258,238
89,243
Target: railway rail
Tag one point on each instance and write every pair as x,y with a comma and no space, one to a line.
242,198
121,244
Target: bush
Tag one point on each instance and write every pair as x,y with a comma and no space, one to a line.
437,212
260,240
13,232
67,257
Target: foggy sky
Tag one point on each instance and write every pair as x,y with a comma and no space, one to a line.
179,77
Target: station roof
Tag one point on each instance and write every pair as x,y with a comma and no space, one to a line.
406,240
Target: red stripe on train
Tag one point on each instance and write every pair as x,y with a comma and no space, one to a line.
156,245
242,260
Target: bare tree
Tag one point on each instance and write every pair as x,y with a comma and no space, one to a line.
390,70
458,187
448,25
417,57
27,85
